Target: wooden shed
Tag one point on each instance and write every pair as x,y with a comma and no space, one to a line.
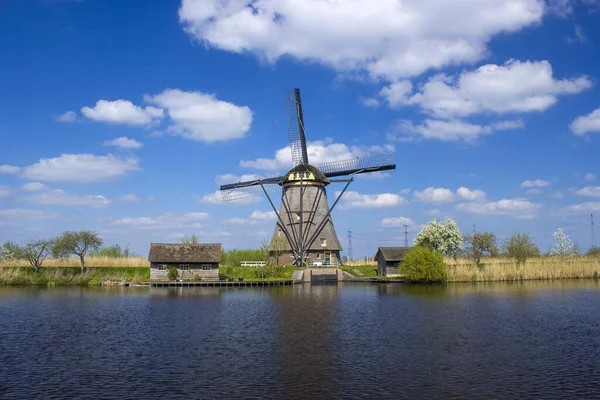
190,260
389,259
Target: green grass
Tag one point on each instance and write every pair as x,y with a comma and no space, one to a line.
57,276
248,273
367,271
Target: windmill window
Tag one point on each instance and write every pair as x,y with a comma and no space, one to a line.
295,175
279,233
323,242
297,217
318,256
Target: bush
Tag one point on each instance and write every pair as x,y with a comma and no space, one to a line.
173,274
593,252
422,265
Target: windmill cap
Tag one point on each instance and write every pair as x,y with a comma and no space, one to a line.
319,176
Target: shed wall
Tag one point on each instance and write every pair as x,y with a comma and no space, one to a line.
195,270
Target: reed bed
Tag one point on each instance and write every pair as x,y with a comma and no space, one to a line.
503,269
58,276
94,262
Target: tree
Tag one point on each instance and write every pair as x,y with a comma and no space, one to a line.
520,247
422,265
9,251
276,248
441,237
35,252
480,244
189,239
77,243
563,246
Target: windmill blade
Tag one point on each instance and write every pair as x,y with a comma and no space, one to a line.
295,121
249,189
359,165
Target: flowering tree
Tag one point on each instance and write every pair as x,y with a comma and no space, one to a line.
443,237
563,245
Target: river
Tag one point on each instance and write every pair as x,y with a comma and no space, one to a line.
502,340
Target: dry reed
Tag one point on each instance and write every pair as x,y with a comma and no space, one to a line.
503,269
97,262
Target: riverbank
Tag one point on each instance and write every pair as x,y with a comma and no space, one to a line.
538,268
59,276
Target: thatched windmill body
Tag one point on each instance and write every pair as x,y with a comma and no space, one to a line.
304,233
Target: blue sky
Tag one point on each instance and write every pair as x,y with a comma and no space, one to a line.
125,117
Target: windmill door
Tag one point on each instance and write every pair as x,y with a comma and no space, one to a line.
327,258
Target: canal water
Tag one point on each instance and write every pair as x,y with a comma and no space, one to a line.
523,340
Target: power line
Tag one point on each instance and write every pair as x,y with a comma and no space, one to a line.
405,235
593,232
349,245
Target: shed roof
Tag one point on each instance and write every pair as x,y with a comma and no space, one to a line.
191,253
392,253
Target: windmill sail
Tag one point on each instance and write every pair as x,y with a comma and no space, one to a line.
359,165
249,189
295,121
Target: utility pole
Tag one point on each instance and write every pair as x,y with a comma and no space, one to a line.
593,232
349,245
405,235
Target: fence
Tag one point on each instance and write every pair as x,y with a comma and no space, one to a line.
253,263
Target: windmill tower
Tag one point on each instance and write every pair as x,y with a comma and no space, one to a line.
304,232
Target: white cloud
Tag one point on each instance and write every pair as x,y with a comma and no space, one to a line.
34,187
590,177
369,102
201,116
444,130
123,143
538,183
356,200
217,198
130,198
534,191
467,194
508,124
516,208
435,195
59,197
319,151
19,214
589,191
396,222
81,168
230,178
122,112
5,192
558,195
374,175
68,116
257,217
163,221
381,38
9,170
516,86
586,123
581,208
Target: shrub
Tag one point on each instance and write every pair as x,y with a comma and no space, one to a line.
520,247
173,274
422,265
593,252
443,237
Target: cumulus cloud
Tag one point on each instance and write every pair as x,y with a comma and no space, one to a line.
81,168
435,195
449,130
396,222
130,198
5,192
163,221
538,183
586,123
516,208
467,194
380,38
231,178
356,200
589,191
581,208
68,116
122,112
203,117
319,151
9,170
33,187
58,197
590,177
257,217
123,143
514,87
217,198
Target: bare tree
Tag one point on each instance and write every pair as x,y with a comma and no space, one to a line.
277,248
35,252
189,239
77,243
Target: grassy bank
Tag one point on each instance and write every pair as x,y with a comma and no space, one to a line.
57,276
361,271
501,269
247,273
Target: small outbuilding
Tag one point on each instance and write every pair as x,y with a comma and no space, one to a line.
389,259
191,260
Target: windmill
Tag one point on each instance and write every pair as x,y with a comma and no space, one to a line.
304,231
